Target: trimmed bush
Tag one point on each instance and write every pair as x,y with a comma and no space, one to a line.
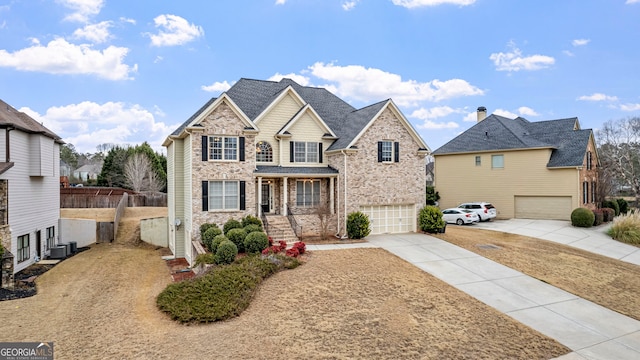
207,258
253,228
204,227
582,217
231,224
209,235
226,253
237,236
271,250
251,220
623,205
301,246
608,214
612,204
293,252
255,242
430,219
598,217
216,242
626,228
358,225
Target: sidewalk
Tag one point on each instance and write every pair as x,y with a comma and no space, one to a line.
590,330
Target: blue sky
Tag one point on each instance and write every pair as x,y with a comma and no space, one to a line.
124,72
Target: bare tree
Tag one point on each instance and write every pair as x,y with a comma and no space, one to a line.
324,212
620,150
136,169
154,183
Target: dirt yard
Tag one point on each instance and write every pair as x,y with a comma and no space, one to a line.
343,304
611,283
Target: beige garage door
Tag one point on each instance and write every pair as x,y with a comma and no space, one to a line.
387,219
543,207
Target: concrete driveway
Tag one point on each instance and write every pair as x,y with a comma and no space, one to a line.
593,239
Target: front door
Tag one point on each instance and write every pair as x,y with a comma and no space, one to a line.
267,198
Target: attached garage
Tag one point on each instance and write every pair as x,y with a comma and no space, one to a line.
391,218
543,207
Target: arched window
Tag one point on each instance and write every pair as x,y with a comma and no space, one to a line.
264,152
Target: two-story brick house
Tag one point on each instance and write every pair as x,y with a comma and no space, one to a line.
282,149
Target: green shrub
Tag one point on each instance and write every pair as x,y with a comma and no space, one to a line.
231,224
207,258
430,219
222,293
226,253
609,214
216,242
358,225
204,227
255,242
237,236
626,228
582,217
612,204
252,228
598,215
623,205
1,251
209,235
251,220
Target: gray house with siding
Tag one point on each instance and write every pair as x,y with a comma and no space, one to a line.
29,186
276,149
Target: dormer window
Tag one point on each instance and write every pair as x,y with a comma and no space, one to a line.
264,152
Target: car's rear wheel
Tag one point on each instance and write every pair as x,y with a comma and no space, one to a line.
460,222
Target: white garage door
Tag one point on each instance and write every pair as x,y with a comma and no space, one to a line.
391,218
543,207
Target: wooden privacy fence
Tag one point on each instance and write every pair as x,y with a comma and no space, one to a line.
95,197
119,213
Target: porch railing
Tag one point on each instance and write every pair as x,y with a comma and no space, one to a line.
297,229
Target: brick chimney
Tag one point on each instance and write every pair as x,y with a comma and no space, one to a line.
482,113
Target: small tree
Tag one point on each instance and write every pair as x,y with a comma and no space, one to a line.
432,196
430,219
323,212
358,225
136,169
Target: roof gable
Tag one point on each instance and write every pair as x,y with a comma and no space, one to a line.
10,117
307,109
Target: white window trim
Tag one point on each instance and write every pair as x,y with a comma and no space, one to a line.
223,148
314,152
211,195
313,195
493,164
21,257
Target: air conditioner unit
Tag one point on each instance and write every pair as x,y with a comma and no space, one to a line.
68,246
58,252
74,246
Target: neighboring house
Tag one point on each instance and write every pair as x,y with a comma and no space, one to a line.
536,170
29,186
429,172
87,172
279,148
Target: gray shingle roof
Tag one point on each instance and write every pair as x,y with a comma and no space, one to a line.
327,170
12,117
496,133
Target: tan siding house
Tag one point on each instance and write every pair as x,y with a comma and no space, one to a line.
539,170
278,149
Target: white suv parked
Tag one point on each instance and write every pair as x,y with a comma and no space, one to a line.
485,210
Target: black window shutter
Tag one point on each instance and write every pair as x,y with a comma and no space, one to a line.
205,196
379,151
205,147
241,148
320,152
396,150
291,158
243,198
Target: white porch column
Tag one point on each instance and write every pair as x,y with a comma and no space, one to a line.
285,196
331,187
259,200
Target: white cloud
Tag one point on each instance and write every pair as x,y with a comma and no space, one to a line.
632,2
598,97
112,122
216,87
61,57
300,79
505,113
471,117
96,33
280,2
409,4
434,112
515,61
174,30
527,111
83,10
428,124
567,52
580,42
630,107
349,5
128,20
370,84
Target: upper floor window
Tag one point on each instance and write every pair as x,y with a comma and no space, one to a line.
264,152
24,248
589,160
478,160
585,192
222,148
388,151
301,151
497,161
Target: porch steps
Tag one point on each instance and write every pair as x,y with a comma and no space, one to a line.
280,229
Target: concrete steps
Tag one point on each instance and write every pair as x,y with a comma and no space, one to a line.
280,229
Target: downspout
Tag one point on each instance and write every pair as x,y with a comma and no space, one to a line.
7,147
344,235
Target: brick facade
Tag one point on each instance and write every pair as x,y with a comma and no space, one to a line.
589,174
